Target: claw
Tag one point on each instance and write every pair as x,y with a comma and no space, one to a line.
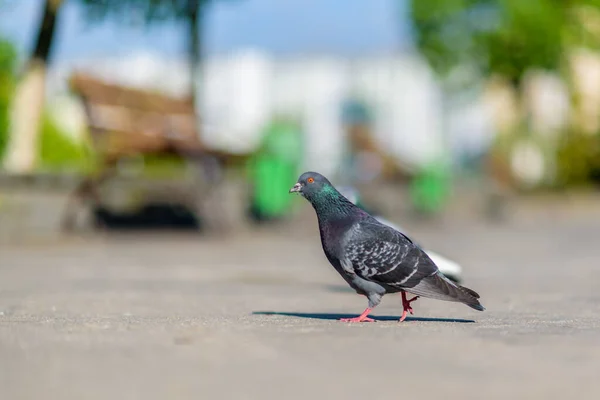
361,318
403,317
406,306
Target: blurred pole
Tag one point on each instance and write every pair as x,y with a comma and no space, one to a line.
28,102
195,15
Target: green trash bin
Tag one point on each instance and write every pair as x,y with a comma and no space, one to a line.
275,168
430,189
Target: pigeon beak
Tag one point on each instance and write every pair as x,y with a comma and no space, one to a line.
296,189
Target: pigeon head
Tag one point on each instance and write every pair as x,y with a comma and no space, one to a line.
317,189
312,185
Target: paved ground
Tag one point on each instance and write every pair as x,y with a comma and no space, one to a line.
254,317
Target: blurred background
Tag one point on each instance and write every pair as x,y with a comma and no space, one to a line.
475,124
123,113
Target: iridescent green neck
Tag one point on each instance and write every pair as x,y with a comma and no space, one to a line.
329,203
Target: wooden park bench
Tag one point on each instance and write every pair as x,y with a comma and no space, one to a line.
124,122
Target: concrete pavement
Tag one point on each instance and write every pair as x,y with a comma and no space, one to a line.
254,317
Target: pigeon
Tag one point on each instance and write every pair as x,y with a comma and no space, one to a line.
373,258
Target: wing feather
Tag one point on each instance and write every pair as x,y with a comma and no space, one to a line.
383,255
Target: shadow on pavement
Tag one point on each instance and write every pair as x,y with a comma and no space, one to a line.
327,316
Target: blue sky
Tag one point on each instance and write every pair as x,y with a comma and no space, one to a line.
280,26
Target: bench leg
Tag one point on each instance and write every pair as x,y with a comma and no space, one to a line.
209,201
85,193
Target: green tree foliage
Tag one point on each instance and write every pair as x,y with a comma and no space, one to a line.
502,37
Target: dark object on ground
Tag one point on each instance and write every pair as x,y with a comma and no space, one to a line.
151,216
259,217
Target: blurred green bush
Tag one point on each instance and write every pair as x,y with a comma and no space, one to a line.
58,152
8,58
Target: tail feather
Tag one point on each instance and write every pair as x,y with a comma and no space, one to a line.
471,292
439,287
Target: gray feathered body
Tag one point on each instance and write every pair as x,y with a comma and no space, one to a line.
375,259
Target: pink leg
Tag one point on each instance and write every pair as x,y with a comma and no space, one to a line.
361,318
406,305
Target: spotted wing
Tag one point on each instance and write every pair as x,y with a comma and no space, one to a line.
380,254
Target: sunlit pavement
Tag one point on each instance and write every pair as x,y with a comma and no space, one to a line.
254,317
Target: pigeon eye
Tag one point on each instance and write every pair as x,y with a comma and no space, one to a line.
310,180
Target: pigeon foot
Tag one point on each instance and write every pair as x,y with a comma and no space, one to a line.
406,305
361,318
